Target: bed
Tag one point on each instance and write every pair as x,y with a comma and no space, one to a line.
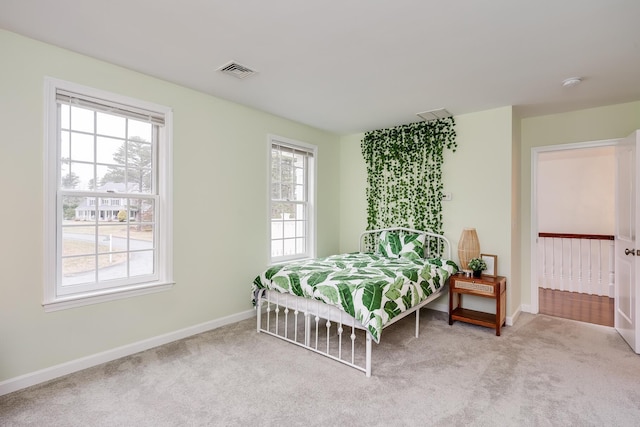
328,305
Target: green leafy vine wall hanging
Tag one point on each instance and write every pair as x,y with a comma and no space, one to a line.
404,174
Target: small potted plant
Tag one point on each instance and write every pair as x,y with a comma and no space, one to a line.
477,265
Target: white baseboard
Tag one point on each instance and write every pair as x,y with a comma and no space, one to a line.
37,377
510,320
441,304
526,308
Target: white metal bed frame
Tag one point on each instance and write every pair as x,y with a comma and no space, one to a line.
283,311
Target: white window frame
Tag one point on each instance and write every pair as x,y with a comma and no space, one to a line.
55,298
311,189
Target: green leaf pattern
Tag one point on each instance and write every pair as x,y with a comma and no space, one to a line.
401,245
374,288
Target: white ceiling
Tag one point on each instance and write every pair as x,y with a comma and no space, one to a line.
350,66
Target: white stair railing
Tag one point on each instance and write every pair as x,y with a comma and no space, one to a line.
581,263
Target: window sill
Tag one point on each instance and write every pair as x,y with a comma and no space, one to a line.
287,261
80,300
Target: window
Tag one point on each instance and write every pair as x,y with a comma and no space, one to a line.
108,205
292,199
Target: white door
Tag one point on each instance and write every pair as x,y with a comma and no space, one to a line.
627,253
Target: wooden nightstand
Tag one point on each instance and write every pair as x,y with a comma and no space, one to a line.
487,287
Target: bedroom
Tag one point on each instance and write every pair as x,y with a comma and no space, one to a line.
215,210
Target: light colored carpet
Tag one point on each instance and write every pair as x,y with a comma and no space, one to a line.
543,371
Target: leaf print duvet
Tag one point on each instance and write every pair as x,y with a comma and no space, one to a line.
372,288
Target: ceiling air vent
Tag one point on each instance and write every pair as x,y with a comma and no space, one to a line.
434,114
236,70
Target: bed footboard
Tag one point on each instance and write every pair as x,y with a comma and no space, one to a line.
322,328
316,326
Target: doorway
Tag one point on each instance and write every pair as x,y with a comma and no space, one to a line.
573,223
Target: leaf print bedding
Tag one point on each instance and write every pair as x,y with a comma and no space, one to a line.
372,288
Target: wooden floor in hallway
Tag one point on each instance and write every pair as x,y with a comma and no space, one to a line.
576,306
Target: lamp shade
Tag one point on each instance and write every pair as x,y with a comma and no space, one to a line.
468,247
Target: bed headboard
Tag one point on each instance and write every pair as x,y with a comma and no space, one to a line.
436,245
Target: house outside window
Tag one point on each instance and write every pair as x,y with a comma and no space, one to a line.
292,179
108,203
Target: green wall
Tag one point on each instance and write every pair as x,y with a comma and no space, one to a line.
220,212
478,175
220,225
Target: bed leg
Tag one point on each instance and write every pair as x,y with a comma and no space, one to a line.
417,323
259,312
368,356
307,329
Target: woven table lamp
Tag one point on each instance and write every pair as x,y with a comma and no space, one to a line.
468,247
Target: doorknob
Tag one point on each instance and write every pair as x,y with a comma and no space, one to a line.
629,251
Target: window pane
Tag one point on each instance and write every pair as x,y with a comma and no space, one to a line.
112,266
283,210
289,229
108,124
298,159
111,178
276,248
81,147
71,207
139,162
275,191
86,209
140,180
112,238
300,246
110,150
70,180
139,153
277,229
141,263
78,241
109,208
81,176
64,116
141,237
300,228
81,119
77,270
145,211
289,246
65,146
140,130
299,196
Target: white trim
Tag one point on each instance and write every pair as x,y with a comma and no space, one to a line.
97,297
510,320
53,297
105,95
312,185
535,151
76,365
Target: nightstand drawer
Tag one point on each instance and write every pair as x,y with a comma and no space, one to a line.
475,287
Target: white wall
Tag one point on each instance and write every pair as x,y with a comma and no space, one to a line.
576,190
220,193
